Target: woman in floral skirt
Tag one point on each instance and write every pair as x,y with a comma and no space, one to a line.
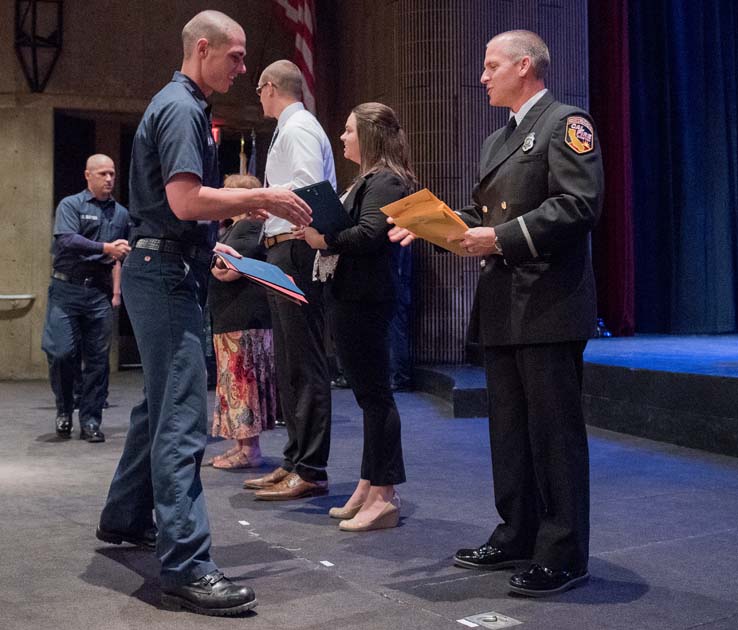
245,394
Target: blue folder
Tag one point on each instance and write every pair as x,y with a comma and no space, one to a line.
266,274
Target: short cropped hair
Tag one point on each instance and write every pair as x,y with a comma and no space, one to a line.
286,76
521,44
214,26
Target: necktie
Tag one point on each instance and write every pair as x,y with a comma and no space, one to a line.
271,144
274,139
511,124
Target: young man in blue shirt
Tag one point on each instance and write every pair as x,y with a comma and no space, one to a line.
174,203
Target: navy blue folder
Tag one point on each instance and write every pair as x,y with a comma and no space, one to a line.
329,215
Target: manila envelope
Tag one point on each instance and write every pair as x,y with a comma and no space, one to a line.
426,216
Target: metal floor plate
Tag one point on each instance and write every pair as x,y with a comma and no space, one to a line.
489,619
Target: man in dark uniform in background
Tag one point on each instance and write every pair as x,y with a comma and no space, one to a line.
538,197
90,236
174,204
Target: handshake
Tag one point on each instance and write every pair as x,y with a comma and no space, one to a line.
117,249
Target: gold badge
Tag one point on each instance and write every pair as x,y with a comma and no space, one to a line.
579,134
503,205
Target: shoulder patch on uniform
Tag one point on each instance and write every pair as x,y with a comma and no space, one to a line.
579,134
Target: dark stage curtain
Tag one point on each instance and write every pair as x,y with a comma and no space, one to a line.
609,92
684,122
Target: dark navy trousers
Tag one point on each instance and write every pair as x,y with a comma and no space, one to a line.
160,465
79,319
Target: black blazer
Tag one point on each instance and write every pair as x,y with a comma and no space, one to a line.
364,271
542,191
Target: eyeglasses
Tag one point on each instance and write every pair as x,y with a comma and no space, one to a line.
259,88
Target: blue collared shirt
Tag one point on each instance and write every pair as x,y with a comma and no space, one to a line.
173,137
99,221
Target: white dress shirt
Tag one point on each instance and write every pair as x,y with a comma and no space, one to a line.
527,106
301,155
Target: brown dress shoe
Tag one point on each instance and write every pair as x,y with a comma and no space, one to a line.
292,487
266,481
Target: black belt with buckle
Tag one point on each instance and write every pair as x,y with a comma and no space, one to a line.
200,254
98,280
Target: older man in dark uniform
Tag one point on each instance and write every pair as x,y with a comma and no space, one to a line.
538,197
174,201
90,232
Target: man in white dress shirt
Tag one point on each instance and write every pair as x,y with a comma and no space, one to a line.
299,154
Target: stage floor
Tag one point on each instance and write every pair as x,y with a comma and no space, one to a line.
663,544
714,355
678,389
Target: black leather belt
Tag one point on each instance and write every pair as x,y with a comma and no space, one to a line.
201,254
85,281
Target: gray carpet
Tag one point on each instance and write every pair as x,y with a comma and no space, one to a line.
664,533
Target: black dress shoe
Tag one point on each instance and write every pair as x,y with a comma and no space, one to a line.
64,425
539,581
213,594
486,557
91,434
402,386
146,539
340,382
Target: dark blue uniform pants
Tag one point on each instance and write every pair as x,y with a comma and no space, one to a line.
78,319
160,464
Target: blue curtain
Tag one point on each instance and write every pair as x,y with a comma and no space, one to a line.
684,123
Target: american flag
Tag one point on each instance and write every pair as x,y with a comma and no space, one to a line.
247,166
299,17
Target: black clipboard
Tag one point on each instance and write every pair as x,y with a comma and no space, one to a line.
329,215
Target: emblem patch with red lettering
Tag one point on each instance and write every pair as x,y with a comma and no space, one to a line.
579,134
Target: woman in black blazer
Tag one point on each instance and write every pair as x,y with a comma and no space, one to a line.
364,297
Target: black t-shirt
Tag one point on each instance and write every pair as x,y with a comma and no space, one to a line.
242,304
173,137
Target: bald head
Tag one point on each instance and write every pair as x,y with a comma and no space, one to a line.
97,161
100,176
285,76
214,26
519,44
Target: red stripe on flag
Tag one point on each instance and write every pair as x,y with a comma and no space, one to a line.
298,17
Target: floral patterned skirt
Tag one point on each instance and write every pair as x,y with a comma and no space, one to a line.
246,392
